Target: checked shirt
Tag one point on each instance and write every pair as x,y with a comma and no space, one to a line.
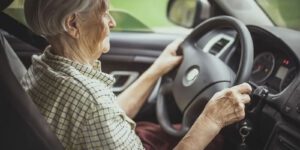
78,103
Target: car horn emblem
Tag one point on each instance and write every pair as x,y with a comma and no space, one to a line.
191,76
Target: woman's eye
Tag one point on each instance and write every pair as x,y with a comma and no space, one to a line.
107,15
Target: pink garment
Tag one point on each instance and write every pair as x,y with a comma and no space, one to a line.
154,138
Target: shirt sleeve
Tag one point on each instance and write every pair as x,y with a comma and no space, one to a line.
106,127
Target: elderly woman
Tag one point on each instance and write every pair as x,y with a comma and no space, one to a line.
74,95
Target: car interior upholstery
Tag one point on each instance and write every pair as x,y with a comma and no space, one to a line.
23,126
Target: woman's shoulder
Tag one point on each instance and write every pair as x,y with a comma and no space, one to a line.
57,75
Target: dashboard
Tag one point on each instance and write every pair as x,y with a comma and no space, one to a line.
273,69
275,65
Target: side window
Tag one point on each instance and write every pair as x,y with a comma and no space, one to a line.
130,15
140,15
16,10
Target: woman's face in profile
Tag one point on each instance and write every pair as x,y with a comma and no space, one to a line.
96,30
109,23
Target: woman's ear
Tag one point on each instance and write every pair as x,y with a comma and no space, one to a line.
72,27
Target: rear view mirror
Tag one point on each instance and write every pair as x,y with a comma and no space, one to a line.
188,13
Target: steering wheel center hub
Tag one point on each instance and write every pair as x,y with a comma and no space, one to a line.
191,76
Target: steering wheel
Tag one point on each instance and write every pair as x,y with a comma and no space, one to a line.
201,74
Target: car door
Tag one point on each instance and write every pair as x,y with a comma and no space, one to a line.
130,55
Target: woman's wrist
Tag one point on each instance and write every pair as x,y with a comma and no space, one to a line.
210,122
200,134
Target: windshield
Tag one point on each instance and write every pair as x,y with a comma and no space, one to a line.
283,13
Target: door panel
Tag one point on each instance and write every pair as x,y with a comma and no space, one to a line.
135,52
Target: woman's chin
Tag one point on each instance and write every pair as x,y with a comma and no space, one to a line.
105,49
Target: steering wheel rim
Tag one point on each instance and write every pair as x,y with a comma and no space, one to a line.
196,82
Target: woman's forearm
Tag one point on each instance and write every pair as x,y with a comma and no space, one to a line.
133,98
200,135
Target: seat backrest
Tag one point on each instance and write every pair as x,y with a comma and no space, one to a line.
18,69
4,4
21,124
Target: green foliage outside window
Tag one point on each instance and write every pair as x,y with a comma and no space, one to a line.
130,15
150,15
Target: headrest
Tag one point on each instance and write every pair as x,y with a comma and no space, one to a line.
4,4
8,54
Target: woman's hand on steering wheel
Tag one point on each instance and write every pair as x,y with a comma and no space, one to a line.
167,60
228,106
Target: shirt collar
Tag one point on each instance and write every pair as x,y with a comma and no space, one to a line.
93,72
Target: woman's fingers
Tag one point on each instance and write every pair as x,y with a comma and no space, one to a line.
245,98
244,88
238,97
172,47
240,111
228,106
240,107
237,114
241,93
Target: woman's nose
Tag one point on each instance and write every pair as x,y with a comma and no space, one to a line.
112,23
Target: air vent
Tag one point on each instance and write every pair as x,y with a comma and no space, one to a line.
218,44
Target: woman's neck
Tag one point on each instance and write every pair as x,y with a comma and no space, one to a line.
71,50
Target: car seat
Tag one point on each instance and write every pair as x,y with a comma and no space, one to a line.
21,124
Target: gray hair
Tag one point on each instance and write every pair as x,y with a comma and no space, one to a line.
47,17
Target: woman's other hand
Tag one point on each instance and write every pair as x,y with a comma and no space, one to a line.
167,59
224,108
228,106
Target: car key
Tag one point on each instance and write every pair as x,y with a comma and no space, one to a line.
244,132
